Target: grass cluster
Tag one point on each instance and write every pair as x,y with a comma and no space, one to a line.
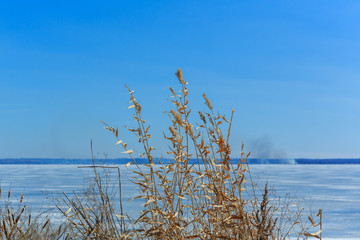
212,199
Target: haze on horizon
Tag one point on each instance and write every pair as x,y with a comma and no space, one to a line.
290,69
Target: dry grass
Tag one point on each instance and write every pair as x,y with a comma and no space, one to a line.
18,223
213,199
204,200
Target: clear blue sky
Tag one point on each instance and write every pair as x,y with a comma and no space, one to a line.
290,69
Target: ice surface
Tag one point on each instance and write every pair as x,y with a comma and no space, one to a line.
334,188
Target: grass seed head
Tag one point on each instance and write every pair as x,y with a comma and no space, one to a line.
177,117
179,76
207,102
202,117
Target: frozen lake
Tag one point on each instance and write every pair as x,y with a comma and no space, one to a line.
334,188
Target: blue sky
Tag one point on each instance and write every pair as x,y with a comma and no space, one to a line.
290,69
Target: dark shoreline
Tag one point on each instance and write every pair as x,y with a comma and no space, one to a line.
142,160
